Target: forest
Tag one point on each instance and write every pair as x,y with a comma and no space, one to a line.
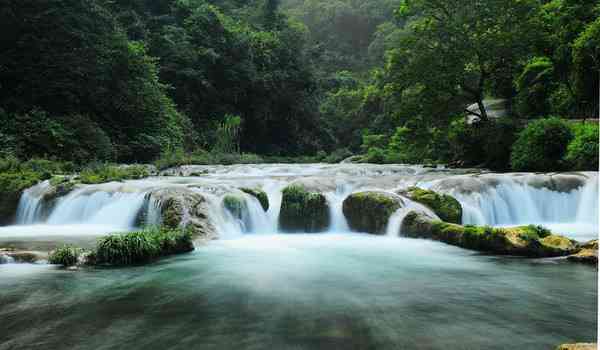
501,84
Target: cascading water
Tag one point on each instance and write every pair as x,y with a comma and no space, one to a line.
487,199
508,201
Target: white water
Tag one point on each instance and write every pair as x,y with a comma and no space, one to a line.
511,203
506,201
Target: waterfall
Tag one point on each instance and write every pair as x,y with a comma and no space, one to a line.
509,202
31,206
394,226
336,200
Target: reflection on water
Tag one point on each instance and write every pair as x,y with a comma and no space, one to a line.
303,292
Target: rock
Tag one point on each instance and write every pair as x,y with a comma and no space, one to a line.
578,346
588,253
21,256
303,211
181,207
370,211
260,195
443,205
585,256
529,241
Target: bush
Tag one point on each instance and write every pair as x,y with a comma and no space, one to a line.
142,246
582,152
201,157
486,144
100,173
541,146
67,255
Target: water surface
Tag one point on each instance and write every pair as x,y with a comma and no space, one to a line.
331,291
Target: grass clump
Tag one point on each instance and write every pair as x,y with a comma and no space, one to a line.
142,246
100,173
66,256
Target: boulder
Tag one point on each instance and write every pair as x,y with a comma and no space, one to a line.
258,194
303,211
445,206
182,207
370,211
529,241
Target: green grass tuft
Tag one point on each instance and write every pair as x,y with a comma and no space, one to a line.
66,256
142,246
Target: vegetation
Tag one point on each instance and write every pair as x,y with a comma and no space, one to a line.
225,81
303,211
100,173
541,146
141,246
67,255
582,152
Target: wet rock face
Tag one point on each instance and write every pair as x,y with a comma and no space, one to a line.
370,211
303,211
529,241
443,205
181,207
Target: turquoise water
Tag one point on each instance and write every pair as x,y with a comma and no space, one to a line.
303,292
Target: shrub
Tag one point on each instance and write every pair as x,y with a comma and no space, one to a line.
541,146
582,152
100,173
67,255
485,144
142,246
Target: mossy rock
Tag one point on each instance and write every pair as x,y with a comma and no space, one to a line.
303,211
260,195
444,206
370,211
235,205
529,241
184,208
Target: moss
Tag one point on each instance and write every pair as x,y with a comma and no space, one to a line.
370,211
522,241
235,205
260,195
67,255
141,246
445,206
303,211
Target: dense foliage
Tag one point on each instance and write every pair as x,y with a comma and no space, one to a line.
228,81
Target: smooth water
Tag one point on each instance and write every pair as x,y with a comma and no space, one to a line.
303,292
